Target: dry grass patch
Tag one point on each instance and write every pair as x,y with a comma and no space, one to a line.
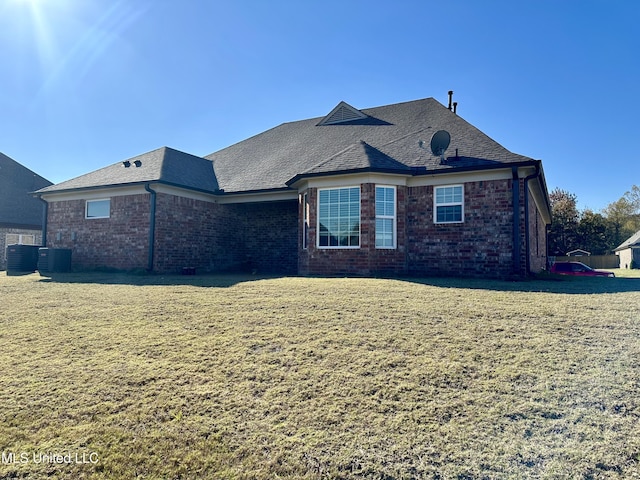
242,378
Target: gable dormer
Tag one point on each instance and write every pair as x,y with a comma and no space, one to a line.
341,114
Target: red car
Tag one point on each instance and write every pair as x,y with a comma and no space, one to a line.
579,269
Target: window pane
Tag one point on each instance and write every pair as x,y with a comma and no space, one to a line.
451,213
339,211
98,208
385,208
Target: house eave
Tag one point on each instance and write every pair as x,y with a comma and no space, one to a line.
52,193
410,171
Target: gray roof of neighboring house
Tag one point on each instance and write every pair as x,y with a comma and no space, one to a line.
17,206
632,241
382,139
164,165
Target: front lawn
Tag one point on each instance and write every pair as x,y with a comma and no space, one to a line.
343,378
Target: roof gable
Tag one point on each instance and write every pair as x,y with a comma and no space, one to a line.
342,113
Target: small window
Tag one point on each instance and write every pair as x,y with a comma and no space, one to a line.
449,204
98,208
305,220
339,218
385,217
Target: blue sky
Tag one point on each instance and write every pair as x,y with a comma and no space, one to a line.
87,83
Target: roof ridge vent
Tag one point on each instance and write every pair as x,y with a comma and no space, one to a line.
342,113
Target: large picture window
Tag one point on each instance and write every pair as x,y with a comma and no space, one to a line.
98,208
339,217
385,217
449,204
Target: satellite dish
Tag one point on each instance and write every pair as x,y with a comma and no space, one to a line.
440,143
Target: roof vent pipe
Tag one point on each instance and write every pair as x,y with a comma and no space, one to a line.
455,106
450,98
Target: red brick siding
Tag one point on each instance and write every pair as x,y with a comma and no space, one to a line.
481,245
366,260
192,233
267,234
117,242
189,233
537,239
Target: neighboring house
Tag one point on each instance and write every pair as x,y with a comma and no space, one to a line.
629,251
21,215
357,192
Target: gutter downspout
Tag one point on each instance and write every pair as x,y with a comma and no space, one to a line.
526,216
516,220
45,215
152,226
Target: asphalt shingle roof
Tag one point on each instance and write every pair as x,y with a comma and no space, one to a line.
271,159
385,139
17,206
632,241
164,165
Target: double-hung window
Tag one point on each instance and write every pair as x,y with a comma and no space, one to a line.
385,217
449,204
339,217
98,208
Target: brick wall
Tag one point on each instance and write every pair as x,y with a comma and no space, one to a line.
189,233
21,231
480,246
118,242
537,239
366,260
229,237
266,235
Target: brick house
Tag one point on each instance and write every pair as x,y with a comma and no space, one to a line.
21,215
356,192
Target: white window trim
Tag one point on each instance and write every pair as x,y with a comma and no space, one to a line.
86,207
21,238
339,247
447,204
305,220
387,217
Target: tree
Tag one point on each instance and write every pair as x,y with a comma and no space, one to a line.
563,235
623,217
592,233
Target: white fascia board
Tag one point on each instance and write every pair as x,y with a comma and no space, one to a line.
349,180
183,192
109,192
460,177
258,197
408,180
93,194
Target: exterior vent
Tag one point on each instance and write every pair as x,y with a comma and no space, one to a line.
341,114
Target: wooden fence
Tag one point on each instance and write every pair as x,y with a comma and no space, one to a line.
594,261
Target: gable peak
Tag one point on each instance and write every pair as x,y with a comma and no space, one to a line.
343,112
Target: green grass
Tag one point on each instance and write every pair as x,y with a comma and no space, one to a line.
309,378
